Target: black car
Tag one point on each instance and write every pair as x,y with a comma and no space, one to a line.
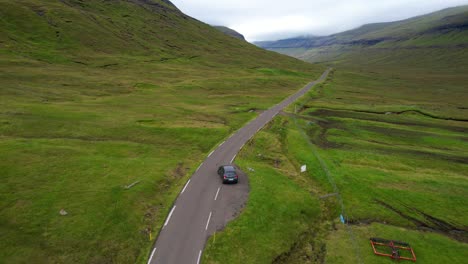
228,174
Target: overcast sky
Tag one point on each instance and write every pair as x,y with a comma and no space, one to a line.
275,19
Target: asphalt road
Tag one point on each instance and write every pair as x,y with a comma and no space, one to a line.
205,204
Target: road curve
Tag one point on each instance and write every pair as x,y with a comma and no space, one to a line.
201,206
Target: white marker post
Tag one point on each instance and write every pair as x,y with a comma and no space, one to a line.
303,168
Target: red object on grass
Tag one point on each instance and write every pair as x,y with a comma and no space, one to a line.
392,249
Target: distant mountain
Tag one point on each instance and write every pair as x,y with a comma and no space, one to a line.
230,32
442,29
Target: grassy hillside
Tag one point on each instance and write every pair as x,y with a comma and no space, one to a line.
99,95
428,35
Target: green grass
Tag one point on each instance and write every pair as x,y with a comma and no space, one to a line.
400,176
99,95
429,247
163,122
278,211
400,170
86,179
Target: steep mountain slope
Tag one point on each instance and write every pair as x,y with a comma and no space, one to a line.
440,30
230,32
106,108
62,30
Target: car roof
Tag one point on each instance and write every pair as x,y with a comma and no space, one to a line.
229,168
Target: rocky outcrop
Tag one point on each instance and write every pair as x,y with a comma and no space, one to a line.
230,32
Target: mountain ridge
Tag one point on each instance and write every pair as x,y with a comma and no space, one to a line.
444,28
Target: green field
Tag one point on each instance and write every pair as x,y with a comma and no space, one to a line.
98,95
393,142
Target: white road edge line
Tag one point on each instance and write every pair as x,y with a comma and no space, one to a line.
151,257
199,256
199,166
208,222
210,153
233,158
169,217
216,197
222,143
183,190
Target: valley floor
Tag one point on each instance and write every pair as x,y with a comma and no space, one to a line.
112,143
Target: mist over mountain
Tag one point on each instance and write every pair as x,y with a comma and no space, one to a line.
445,29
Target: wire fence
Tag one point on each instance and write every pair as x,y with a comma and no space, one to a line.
332,182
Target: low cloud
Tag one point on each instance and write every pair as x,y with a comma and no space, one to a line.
270,20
